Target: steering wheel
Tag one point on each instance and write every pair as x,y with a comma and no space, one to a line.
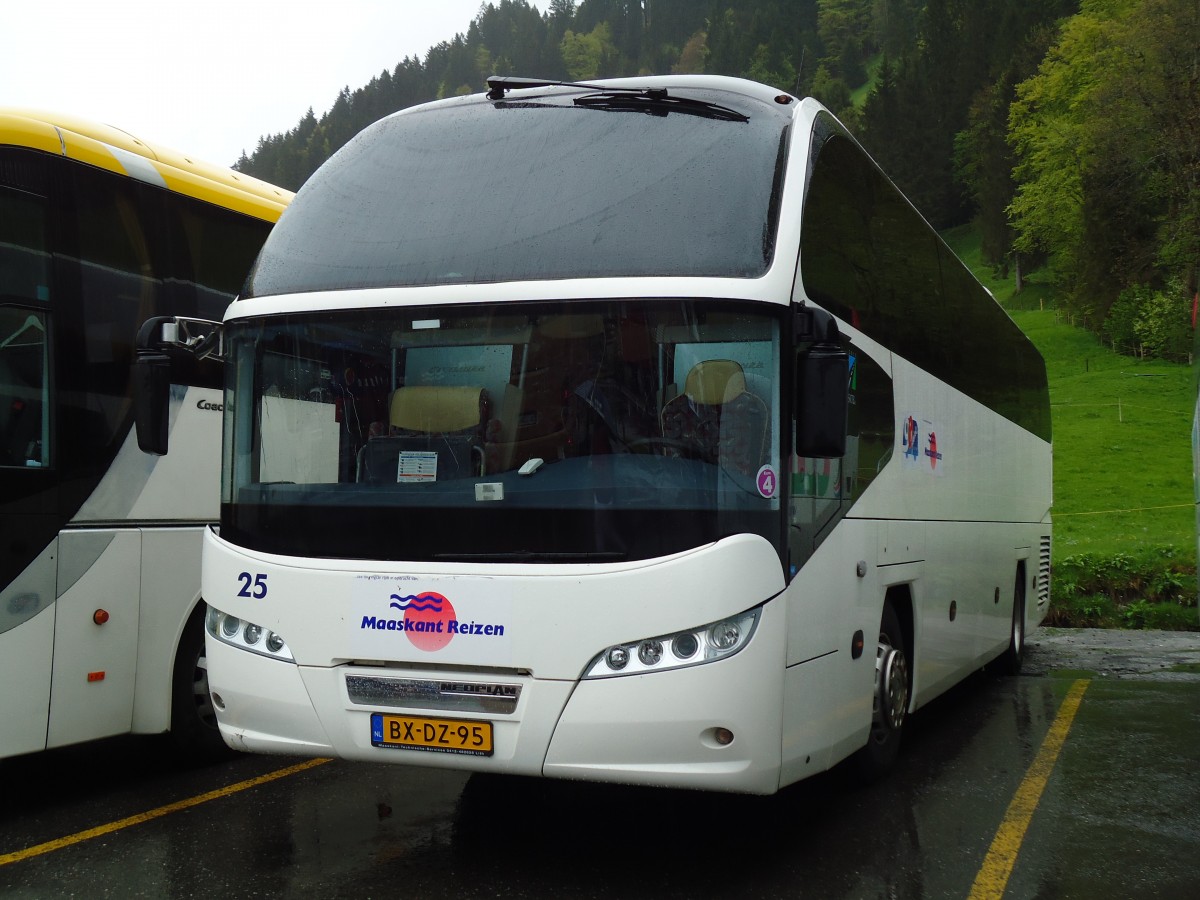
647,445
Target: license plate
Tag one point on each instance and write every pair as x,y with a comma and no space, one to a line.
440,735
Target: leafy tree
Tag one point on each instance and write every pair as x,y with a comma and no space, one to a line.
737,30
1051,131
668,27
589,55
1145,321
561,12
894,25
770,68
1107,136
843,26
1164,327
693,56
830,90
518,39
912,126
983,158
983,163
625,21
460,69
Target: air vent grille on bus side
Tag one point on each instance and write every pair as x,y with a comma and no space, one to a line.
1043,582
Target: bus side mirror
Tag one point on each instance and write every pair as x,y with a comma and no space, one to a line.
151,387
151,397
822,401
822,388
171,349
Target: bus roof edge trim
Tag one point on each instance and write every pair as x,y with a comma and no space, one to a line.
120,152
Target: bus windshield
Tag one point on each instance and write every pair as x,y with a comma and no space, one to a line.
476,192
589,430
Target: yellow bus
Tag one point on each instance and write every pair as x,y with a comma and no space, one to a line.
101,630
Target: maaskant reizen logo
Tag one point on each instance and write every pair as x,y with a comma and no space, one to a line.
429,621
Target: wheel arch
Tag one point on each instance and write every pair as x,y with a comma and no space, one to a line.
899,597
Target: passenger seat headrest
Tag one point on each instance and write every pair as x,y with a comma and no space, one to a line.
436,410
715,381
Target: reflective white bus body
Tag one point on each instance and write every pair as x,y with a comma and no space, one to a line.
936,517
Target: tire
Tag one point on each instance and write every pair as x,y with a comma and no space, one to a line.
1010,661
893,685
193,718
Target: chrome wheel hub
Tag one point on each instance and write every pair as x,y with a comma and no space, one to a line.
891,686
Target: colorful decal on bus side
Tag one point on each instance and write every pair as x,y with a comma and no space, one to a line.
922,449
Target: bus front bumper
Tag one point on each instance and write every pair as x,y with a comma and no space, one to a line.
714,726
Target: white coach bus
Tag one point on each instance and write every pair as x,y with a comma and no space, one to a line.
634,431
101,628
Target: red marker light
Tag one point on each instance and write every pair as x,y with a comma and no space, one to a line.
100,616
95,676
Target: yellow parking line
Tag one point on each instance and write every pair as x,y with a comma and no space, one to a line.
1002,855
109,828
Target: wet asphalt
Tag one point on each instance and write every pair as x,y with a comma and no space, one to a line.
1118,815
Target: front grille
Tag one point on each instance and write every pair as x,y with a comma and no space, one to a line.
414,693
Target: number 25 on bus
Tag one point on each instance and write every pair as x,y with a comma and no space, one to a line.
634,431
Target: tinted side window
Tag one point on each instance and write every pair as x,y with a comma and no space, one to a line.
25,360
868,257
212,253
24,258
119,289
823,490
24,388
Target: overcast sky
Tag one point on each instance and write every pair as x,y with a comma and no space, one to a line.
210,77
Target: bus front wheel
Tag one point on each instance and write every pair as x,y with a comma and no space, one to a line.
193,719
890,702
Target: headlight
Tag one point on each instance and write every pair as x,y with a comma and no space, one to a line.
693,647
245,635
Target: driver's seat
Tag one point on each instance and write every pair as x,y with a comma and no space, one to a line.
716,418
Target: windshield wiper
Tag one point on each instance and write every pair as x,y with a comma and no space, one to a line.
499,85
657,102
654,101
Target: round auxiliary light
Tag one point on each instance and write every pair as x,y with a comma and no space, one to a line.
253,633
230,626
650,652
617,658
725,635
274,642
684,646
